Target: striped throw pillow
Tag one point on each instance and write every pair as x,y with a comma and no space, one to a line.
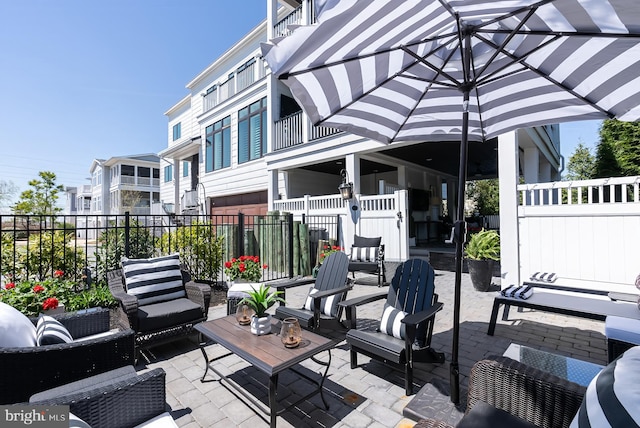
154,280
328,305
391,322
613,395
364,254
50,331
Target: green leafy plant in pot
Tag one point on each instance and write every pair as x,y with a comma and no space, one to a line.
259,300
482,251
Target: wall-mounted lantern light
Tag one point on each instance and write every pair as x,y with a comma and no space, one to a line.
346,188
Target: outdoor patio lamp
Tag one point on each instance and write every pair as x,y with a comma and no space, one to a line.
346,188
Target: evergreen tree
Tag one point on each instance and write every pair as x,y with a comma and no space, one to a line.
582,164
619,149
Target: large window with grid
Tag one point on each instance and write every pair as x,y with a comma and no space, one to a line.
252,131
218,145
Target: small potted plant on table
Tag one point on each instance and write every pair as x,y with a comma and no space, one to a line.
482,251
259,300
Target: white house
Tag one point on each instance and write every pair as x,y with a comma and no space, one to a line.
125,183
238,141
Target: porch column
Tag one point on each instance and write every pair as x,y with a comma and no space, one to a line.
176,186
508,187
272,188
350,225
402,176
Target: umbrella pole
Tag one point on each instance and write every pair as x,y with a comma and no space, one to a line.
459,235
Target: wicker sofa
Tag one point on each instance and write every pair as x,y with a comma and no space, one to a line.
27,370
504,392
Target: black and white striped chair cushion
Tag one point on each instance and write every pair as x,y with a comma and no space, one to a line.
154,280
613,395
364,254
50,331
328,305
391,322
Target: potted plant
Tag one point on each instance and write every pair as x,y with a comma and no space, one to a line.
247,268
327,250
483,249
259,300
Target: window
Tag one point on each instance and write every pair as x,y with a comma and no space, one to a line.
185,168
168,173
218,145
252,131
177,131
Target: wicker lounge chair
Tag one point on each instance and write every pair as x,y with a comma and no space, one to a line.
119,398
27,370
505,392
158,322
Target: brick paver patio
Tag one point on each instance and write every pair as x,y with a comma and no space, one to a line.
371,395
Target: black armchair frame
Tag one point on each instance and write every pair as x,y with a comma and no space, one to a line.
198,293
28,370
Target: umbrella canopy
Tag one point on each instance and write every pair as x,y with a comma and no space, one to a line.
460,70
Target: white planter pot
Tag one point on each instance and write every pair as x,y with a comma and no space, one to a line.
260,326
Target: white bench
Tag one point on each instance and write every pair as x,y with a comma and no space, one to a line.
579,304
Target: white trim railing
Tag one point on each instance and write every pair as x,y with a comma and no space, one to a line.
613,190
282,27
288,131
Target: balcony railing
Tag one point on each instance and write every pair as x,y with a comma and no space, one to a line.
282,27
288,131
240,79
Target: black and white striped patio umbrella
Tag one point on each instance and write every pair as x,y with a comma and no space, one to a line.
460,70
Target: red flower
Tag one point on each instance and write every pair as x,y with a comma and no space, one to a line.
38,288
58,273
9,286
227,265
50,303
264,266
241,267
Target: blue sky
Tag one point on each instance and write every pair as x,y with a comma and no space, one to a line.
81,80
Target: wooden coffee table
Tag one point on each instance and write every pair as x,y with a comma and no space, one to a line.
267,354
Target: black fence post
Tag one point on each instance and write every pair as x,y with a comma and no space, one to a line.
338,229
126,235
290,255
240,248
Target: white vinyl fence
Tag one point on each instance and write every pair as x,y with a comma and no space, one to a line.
370,216
587,232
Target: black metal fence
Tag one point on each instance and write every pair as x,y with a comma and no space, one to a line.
34,247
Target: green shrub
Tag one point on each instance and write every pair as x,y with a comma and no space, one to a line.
484,245
111,247
199,248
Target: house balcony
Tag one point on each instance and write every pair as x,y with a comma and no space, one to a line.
289,132
135,181
240,79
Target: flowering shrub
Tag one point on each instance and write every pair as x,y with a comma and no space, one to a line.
32,297
327,250
244,267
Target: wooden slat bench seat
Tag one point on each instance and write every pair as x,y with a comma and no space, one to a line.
579,304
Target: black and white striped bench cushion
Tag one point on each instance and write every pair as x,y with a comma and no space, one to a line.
154,280
613,395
